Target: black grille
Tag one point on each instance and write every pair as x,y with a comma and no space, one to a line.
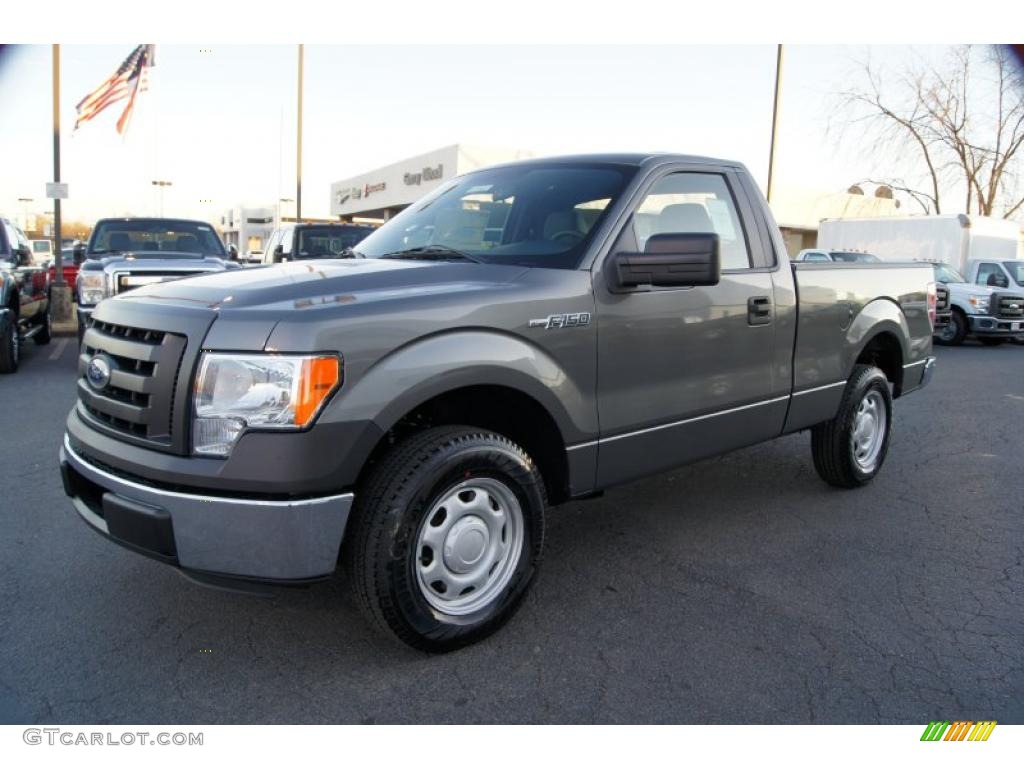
138,401
1010,307
941,298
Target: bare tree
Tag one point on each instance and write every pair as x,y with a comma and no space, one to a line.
956,127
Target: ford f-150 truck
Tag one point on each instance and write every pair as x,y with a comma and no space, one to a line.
524,335
123,254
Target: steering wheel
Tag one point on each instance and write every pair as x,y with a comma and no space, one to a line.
570,233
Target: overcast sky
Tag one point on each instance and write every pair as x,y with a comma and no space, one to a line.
219,121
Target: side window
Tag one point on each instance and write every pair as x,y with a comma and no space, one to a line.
694,202
992,274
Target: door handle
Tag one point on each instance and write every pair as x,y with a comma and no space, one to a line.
759,310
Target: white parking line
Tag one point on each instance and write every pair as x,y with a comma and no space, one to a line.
61,346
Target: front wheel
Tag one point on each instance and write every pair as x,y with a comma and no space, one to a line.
850,449
954,332
446,536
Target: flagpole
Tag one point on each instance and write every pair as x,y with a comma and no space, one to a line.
58,254
298,146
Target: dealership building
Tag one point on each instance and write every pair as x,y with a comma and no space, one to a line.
378,195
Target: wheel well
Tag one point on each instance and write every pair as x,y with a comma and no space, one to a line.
500,409
884,352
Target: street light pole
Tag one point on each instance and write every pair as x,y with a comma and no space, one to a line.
58,256
24,211
298,144
161,184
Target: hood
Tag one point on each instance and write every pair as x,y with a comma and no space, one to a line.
303,285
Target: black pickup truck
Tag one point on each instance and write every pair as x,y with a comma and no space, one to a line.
24,297
525,335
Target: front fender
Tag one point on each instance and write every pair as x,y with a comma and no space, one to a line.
427,367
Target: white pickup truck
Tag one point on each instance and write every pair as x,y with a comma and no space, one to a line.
975,257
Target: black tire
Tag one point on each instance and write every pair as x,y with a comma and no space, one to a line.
991,341
380,553
832,442
953,335
46,332
9,343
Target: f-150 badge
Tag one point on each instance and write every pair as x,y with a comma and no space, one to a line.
570,320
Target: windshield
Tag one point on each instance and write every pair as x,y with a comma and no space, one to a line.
946,274
1016,270
532,215
40,246
327,241
160,235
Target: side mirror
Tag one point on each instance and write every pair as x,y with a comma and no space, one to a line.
78,253
997,281
23,256
672,259
278,256
233,252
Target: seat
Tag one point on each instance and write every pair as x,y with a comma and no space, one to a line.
558,222
683,217
187,244
119,241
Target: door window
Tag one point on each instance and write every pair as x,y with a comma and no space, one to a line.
694,202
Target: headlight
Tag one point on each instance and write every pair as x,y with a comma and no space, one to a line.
979,303
234,393
92,288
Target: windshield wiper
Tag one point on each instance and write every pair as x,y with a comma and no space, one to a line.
348,253
432,253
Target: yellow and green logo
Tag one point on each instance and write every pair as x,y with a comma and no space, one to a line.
961,730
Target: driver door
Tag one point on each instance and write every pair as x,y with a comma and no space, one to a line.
687,372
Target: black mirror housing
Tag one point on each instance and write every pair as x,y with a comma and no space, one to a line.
674,259
78,253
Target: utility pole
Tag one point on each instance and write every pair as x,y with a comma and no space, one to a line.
58,260
775,120
298,146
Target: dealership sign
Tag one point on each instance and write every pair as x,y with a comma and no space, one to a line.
427,174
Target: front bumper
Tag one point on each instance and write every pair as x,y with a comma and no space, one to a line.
247,538
987,325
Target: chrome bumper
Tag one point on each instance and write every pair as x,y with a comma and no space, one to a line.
248,538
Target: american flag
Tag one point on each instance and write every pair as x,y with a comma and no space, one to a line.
126,83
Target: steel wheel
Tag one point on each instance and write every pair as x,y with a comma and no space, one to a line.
869,428
469,545
948,332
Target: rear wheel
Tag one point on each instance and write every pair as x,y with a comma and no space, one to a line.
850,449
10,343
954,332
46,332
446,537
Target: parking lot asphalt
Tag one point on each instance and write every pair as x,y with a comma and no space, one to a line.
740,589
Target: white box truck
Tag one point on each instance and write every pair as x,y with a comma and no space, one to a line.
975,256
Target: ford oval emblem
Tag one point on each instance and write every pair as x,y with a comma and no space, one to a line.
98,372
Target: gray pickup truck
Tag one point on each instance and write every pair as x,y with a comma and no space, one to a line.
524,335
